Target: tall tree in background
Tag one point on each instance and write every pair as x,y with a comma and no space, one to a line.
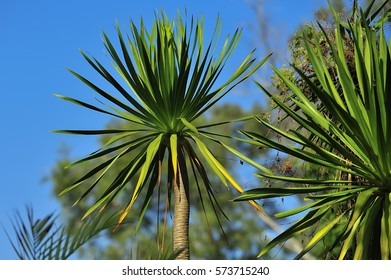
171,72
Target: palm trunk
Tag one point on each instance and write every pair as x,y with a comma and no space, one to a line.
181,212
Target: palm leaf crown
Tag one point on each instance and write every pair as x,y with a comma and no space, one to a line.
354,142
170,77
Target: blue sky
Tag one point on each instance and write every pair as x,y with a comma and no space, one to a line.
40,39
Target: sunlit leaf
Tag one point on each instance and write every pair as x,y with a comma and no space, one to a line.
348,120
169,76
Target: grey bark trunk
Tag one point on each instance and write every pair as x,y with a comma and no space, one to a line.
181,213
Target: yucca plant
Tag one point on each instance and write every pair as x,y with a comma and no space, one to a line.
47,239
167,80
351,139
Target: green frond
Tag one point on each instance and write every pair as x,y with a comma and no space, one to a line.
46,239
169,76
350,127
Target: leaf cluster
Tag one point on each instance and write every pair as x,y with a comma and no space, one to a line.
48,239
351,124
168,78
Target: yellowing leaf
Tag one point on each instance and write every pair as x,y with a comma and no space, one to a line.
216,165
174,152
152,149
